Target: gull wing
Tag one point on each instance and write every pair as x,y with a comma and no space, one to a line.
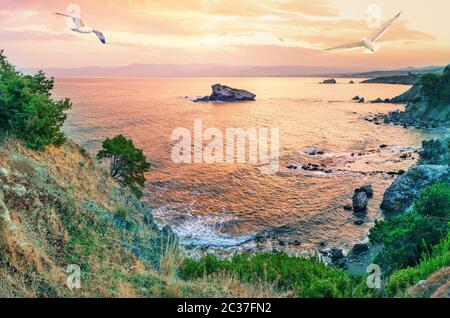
347,46
100,36
383,29
76,20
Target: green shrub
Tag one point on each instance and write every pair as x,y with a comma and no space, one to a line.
407,236
437,87
434,201
127,163
27,110
401,280
303,277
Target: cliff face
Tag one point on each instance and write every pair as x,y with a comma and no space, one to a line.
409,79
428,102
57,209
434,166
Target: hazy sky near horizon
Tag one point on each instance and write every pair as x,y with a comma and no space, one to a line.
238,32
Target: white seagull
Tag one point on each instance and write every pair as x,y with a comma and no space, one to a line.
80,27
369,43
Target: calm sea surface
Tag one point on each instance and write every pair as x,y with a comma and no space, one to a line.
225,205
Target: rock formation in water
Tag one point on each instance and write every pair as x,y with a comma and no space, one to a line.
222,93
433,167
329,81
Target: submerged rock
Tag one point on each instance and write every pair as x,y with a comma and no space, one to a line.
360,249
222,93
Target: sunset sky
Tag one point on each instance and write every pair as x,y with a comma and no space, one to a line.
244,32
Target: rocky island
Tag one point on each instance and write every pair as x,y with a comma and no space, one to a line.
222,93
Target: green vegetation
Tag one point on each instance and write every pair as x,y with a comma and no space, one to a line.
408,236
434,201
437,87
127,163
299,277
27,110
401,280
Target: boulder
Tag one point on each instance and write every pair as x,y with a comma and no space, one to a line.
400,195
360,201
5,216
361,100
222,93
357,98
367,189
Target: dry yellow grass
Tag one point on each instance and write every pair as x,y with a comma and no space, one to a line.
54,229
436,286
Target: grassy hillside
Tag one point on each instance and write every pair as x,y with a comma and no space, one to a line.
64,210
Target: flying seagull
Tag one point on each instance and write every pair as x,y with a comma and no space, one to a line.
369,43
80,27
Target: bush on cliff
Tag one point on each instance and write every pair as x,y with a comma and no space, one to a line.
27,109
401,280
437,87
127,163
407,236
434,201
299,276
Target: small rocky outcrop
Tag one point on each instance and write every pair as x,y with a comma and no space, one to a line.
329,81
407,96
367,189
381,101
435,152
222,93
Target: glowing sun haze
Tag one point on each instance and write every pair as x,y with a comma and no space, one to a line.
237,32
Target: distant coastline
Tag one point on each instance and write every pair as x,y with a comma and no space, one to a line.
211,70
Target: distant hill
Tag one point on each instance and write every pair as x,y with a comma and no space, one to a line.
193,70
399,72
216,70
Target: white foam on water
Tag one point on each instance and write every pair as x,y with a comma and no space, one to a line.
201,231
